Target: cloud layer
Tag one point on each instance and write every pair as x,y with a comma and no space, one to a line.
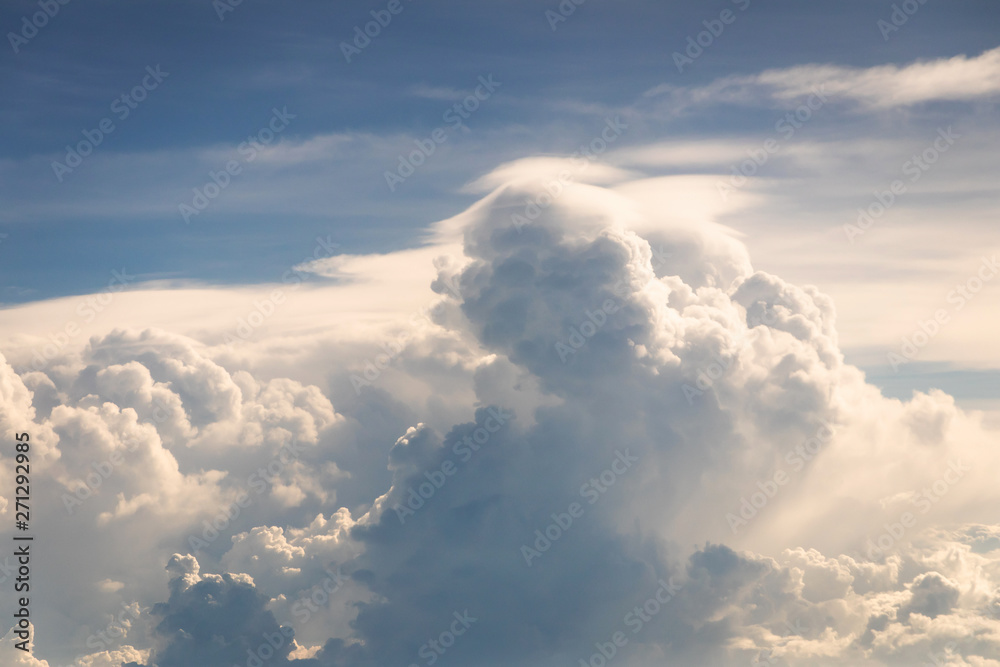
606,421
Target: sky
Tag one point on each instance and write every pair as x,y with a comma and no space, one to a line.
519,311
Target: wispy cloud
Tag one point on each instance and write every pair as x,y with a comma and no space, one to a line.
959,78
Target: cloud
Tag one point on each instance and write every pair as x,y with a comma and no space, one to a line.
605,411
960,78
537,169
139,451
16,657
216,620
523,291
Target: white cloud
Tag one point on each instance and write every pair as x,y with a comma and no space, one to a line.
714,375
959,78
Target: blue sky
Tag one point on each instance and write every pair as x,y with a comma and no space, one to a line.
226,75
745,249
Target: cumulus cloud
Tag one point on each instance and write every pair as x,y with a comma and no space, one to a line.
216,620
609,423
138,454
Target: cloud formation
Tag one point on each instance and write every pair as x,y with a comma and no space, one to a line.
959,78
611,423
